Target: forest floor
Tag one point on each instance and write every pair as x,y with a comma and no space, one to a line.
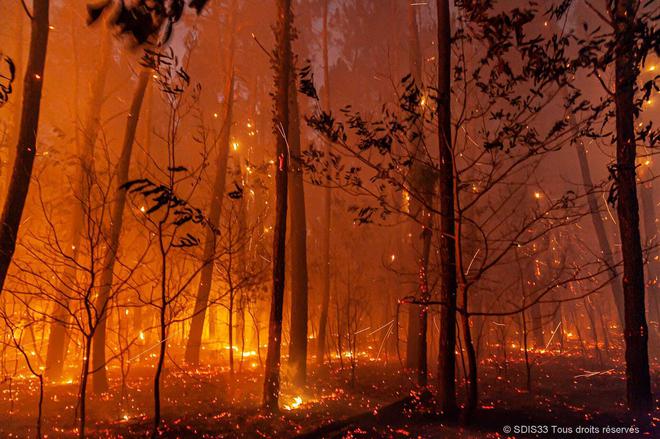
569,390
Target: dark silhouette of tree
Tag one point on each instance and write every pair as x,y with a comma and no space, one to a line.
26,147
625,18
629,36
298,242
283,65
327,203
446,357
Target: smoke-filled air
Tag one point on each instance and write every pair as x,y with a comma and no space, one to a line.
329,218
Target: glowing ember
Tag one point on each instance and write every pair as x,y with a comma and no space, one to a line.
296,403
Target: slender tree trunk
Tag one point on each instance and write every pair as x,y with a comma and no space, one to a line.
472,373
523,322
84,377
447,345
327,209
298,240
635,329
413,338
40,405
147,130
578,332
416,316
242,256
194,342
26,146
242,328
537,325
589,309
162,324
604,325
599,227
528,365
231,328
283,64
57,344
425,295
464,289
100,378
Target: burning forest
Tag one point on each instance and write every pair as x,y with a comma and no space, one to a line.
329,218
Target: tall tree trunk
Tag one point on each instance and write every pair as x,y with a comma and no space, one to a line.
82,396
590,311
148,134
417,315
447,345
298,240
283,64
635,329
327,208
194,342
472,377
425,295
26,146
162,327
100,378
599,227
17,95
230,332
242,255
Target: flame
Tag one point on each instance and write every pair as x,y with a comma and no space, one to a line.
297,402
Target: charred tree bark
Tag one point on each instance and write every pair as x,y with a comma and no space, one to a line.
638,380
447,345
26,146
327,209
599,227
282,63
100,378
298,240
